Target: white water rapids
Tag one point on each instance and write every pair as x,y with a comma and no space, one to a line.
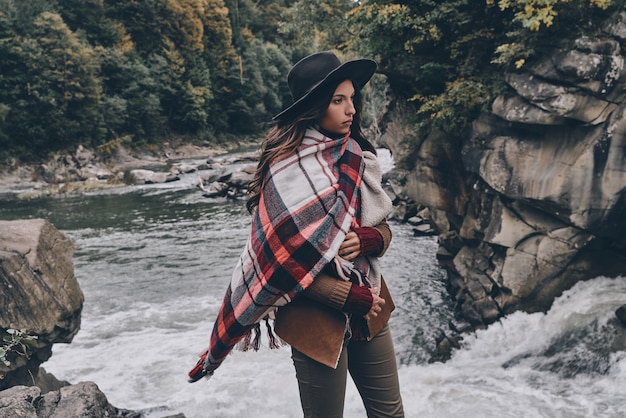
153,265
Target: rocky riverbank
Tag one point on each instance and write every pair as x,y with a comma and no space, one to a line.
221,172
86,170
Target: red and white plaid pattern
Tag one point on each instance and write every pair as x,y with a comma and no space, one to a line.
306,207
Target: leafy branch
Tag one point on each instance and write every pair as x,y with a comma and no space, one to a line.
16,343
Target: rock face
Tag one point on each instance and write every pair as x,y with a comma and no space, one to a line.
533,200
81,400
38,293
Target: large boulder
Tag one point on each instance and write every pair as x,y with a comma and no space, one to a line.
83,400
38,293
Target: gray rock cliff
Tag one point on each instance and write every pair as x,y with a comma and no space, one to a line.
533,199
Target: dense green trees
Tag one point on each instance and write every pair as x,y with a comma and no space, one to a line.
49,87
103,72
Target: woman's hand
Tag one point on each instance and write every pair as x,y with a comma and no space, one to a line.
377,305
350,248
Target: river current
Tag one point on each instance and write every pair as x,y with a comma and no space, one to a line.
154,261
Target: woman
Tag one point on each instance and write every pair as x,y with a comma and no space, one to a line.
311,262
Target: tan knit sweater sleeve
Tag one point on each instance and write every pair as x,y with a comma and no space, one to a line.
385,232
329,290
332,291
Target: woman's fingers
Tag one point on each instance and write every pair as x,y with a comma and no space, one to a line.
377,306
350,248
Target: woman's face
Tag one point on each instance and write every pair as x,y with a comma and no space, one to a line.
338,115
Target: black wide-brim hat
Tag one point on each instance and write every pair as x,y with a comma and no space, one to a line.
321,69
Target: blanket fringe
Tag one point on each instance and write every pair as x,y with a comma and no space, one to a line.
256,341
275,342
246,343
252,338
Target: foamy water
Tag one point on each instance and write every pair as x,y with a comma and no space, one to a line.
154,264
521,368
139,359
152,290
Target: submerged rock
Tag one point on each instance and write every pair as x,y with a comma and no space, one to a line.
620,313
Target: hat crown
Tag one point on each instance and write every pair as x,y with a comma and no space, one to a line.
315,71
310,71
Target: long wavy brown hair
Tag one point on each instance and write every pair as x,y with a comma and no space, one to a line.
286,136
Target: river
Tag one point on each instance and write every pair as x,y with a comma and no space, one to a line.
154,261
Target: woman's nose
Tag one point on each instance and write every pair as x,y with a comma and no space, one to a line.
350,110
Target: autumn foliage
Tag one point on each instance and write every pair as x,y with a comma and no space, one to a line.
138,72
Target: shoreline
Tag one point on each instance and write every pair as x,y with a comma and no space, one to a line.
27,181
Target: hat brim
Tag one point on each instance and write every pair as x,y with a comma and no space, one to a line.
359,71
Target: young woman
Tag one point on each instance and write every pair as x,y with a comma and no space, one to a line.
311,261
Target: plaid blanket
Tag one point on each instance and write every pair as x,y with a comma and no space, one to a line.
307,206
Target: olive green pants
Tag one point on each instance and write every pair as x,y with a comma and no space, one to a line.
373,368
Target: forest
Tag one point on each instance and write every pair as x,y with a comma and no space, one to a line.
136,73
